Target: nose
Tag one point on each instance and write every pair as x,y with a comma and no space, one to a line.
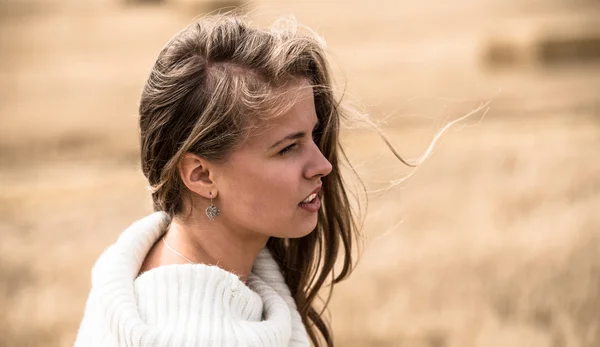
318,166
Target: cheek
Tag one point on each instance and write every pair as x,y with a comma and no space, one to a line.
276,188
263,194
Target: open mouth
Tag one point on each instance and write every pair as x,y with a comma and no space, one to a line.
312,203
309,199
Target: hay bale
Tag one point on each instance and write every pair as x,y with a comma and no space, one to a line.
501,53
551,42
205,6
581,48
202,6
143,2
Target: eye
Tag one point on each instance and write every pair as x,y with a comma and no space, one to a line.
287,149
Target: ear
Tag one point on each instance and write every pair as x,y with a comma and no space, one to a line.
196,173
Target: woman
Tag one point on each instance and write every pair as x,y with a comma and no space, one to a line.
240,144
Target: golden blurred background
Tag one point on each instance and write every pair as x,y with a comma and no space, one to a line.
494,241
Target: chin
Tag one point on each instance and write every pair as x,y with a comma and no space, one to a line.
295,233
299,229
305,230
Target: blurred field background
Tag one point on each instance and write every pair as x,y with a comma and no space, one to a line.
494,241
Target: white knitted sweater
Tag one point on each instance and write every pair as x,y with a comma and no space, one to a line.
184,305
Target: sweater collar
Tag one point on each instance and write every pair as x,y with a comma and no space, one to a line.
190,304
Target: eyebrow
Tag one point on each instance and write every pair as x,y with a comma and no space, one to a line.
294,136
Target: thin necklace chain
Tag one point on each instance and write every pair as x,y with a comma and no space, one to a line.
242,278
174,251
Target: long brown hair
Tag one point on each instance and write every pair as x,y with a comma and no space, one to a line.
208,88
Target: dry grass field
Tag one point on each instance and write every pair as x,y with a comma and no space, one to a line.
493,241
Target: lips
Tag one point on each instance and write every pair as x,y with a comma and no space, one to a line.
311,196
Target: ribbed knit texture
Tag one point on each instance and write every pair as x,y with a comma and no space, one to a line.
184,305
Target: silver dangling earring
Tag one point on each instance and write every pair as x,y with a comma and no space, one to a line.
212,211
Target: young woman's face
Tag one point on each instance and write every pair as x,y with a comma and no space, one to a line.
262,184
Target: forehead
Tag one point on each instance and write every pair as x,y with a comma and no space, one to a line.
299,115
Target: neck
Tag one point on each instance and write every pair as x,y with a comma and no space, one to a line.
210,242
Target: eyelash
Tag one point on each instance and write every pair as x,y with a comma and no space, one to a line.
315,135
287,149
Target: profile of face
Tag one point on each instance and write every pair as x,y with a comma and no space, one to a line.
261,185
